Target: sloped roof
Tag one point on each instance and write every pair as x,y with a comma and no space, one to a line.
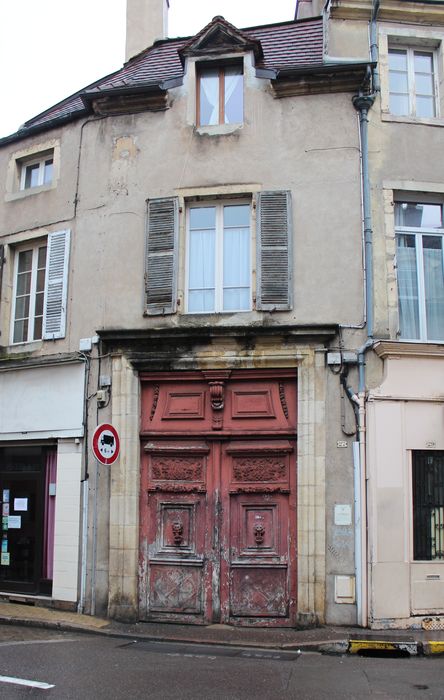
294,44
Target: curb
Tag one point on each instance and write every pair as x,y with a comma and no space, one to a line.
329,647
357,646
433,648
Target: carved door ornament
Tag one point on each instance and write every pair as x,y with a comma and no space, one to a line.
216,382
259,532
177,533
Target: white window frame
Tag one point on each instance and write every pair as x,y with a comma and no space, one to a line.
218,292
41,161
55,295
418,233
34,246
221,69
410,55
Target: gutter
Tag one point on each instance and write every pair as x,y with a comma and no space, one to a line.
363,103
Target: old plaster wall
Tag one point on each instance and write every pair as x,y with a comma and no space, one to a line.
155,155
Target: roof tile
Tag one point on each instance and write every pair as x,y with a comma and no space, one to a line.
286,45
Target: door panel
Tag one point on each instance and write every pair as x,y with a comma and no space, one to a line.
174,516
218,498
259,534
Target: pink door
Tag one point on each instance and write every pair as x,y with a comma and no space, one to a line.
218,498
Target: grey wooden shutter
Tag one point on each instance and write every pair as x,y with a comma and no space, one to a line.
161,255
56,285
274,261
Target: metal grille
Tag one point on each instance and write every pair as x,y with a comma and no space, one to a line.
428,505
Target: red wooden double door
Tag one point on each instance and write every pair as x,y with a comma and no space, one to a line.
218,497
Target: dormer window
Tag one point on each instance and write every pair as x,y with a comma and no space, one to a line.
220,95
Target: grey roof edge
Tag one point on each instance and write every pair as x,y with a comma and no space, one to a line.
322,68
29,128
24,132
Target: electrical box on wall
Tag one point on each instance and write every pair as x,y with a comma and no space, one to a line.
85,344
344,589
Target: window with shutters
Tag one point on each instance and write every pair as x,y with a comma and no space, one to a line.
219,257
219,254
40,289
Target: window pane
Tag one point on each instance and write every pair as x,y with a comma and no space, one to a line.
434,286
236,257
47,174
399,83
203,217
22,307
201,301
20,331
38,326
237,215
234,95
236,270
202,270
236,282
398,59
40,285
399,105
425,106
32,175
424,85
38,311
407,287
423,62
418,215
23,283
25,261
236,299
209,97
41,260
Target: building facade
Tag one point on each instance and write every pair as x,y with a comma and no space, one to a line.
184,257
404,468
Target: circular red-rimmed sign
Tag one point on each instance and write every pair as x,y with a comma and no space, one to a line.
106,443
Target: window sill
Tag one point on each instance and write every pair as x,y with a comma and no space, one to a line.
11,196
218,129
408,348
435,121
27,346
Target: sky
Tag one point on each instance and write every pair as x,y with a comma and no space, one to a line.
49,49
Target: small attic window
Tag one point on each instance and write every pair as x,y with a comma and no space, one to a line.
36,171
220,94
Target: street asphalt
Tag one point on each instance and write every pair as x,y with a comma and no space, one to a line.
326,639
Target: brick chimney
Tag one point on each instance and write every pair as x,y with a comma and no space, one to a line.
146,21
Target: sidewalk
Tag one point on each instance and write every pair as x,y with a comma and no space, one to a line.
326,639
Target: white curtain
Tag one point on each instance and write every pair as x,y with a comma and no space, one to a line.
209,98
232,80
407,289
202,271
434,291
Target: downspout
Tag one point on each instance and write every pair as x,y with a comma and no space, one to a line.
363,103
374,45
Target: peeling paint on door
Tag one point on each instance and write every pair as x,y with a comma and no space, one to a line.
218,491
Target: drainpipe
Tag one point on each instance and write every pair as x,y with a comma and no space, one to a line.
362,104
374,45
